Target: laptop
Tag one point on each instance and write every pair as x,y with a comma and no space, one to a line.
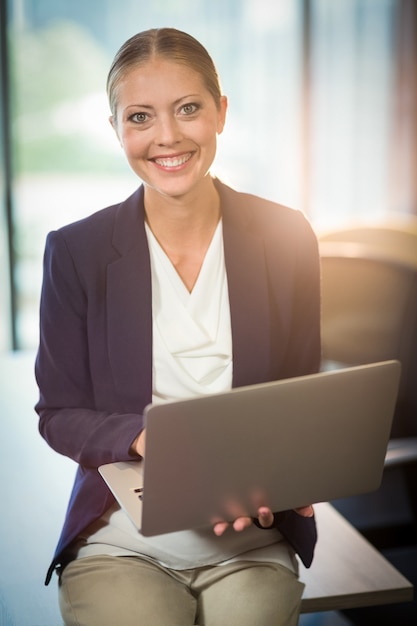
283,444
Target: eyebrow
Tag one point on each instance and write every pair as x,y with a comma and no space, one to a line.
175,103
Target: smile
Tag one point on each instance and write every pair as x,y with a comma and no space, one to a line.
176,161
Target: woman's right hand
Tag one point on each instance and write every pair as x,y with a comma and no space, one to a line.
138,446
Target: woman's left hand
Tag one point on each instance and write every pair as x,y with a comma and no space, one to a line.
265,518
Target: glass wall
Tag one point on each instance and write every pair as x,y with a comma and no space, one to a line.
308,125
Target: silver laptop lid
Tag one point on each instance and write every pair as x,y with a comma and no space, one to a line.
283,444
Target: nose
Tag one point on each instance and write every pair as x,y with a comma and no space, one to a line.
168,131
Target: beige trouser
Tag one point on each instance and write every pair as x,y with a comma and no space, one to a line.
129,591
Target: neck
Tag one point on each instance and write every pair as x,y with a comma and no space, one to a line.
178,218
184,227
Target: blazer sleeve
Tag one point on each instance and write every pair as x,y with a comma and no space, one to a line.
299,531
301,534
70,421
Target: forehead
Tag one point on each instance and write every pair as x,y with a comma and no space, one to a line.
159,79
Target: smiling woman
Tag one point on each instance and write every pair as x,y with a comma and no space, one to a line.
186,288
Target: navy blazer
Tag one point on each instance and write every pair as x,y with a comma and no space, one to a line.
94,363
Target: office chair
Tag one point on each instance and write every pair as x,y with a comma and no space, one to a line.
369,313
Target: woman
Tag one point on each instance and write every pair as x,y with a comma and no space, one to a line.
186,288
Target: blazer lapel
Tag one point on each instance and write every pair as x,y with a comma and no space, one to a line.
248,292
129,322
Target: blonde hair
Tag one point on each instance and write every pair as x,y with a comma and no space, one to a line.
167,43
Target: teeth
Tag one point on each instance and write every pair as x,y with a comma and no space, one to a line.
174,162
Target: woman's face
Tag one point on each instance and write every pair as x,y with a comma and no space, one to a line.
167,123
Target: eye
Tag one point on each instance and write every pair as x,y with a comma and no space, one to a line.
139,118
189,108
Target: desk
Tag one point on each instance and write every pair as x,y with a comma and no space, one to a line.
347,571
401,451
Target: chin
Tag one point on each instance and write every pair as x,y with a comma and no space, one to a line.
179,188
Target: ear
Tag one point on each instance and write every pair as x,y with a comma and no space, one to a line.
113,123
222,114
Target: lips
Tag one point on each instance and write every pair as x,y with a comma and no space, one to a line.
174,161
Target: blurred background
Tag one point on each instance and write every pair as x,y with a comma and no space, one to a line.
322,117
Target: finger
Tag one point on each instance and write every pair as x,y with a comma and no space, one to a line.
241,523
220,528
265,517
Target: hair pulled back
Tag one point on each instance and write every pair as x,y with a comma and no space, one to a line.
167,43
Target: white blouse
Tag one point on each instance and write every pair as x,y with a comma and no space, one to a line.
192,337
192,355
